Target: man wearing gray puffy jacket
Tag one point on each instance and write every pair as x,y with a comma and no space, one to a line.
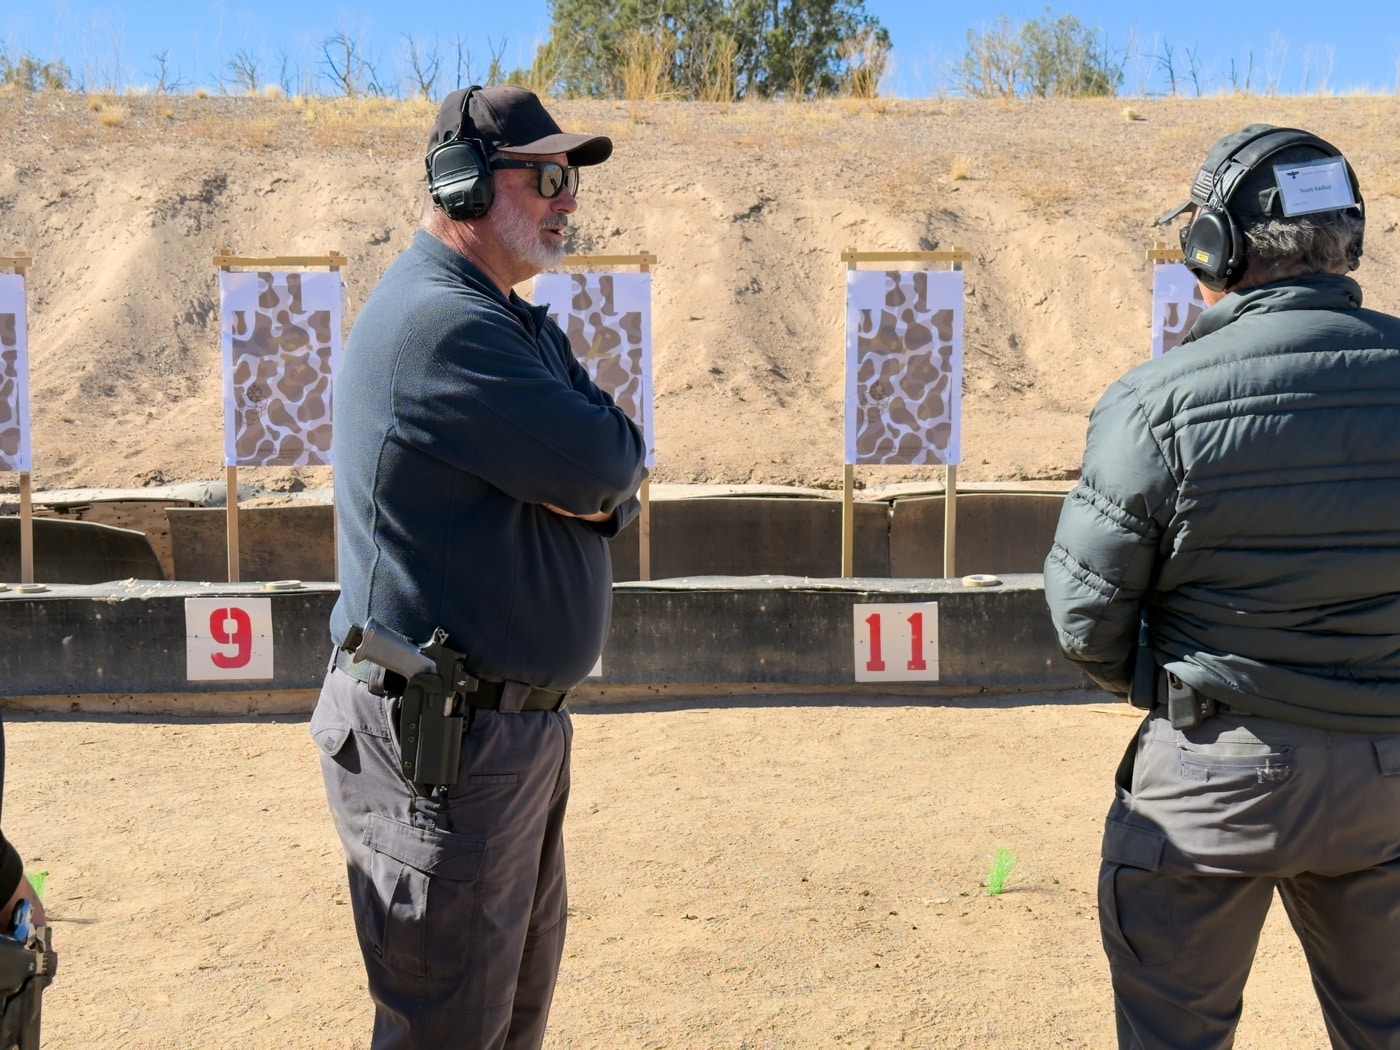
1230,560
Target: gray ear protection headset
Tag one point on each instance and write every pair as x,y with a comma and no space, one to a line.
459,175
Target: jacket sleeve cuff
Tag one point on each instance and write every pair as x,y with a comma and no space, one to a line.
622,516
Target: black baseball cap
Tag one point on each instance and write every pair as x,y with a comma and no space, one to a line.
1250,184
512,119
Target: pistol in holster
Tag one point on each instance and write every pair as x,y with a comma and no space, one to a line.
27,967
428,714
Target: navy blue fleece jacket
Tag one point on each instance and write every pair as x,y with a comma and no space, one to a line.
459,412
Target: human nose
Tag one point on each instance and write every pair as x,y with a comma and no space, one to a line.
565,201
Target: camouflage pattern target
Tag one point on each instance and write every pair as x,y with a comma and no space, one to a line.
904,334
281,348
14,376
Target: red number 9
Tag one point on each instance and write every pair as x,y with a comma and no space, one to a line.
240,637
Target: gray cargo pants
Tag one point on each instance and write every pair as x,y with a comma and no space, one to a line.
459,904
1215,818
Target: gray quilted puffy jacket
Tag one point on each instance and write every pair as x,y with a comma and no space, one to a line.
1243,494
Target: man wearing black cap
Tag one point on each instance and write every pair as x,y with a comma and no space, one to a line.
479,475
1230,561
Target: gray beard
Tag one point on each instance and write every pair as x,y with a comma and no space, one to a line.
522,238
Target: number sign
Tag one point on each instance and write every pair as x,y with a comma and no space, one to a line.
896,642
228,638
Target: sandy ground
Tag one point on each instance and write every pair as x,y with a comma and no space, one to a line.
749,874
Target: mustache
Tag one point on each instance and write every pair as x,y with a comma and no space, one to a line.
554,222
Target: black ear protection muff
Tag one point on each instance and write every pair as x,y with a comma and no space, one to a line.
459,175
1213,246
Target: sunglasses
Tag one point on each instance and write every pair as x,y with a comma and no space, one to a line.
553,177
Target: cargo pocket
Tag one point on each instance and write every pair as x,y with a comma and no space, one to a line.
1128,907
342,710
1388,755
422,897
330,736
331,723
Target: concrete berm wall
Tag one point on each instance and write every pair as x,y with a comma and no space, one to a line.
90,646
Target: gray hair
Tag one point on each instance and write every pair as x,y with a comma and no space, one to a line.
1308,244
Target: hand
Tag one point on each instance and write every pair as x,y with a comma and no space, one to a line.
602,515
25,892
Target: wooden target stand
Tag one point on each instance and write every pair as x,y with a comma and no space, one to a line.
19,264
226,260
644,261
953,259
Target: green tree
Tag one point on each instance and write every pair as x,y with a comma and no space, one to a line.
794,47
715,48
1048,57
991,68
592,42
1063,59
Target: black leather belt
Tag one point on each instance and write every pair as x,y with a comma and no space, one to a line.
488,695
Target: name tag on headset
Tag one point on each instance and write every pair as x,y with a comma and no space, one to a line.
1320,185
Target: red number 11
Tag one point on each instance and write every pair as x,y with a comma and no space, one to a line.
916,643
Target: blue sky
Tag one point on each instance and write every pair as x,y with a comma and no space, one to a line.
1290,46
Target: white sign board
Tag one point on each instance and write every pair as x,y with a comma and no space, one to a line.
228,638
896,642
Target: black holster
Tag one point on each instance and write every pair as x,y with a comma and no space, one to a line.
427,712
428,719
1186,708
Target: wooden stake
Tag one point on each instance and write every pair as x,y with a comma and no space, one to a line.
231,515
848,522
26,529
950,522
644,532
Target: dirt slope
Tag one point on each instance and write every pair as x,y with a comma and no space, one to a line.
122,204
